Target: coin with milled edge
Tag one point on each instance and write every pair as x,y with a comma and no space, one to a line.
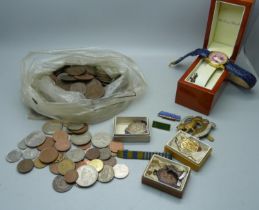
101,139
87,176
21,145
111,161
71,176
51,127
84,77
121,171
92,153
35,139
75,154
65,165
14,156
30,153
81,139
25,166
98,164
106,175
59,184
105,153
48,155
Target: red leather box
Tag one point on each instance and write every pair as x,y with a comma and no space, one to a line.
225,29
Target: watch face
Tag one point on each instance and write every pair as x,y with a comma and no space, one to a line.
218,58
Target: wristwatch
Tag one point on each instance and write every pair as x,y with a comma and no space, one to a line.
220,60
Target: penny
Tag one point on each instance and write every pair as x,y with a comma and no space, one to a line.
87,176
50,127
49,142
80,131
71,176
66,77
105,153
48,155
75,70
53,167
78,87
30,153
25,166
85,146
81,139
80,163
120,171
106,175
84,77
65,165
93,153
21,145
101,139
35,139
62,146
111,161
38,164
98,164
60,136
14,156
115,146
75,154
59,184
94,90
75,126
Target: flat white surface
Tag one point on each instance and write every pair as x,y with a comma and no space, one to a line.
152,33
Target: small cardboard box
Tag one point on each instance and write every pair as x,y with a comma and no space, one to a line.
225,28
192,152
157,162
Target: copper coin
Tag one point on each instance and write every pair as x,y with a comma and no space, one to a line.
38,164
48,155
75,70
71,176
93,153
78,87
82,130
60,136
115,146
62,146
49,142
94,89
80,163
111,161
53,167
85,146
84,77
25,166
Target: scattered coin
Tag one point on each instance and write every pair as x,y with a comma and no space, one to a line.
78,87
60,136
115,146
38,164
53,167
59,184
25,166
71,176
111,161
62,146
120,171
14,156
81,139
60,157
48,155
80,131
84,77
30,153
87,176
49,142
75,70
93,153
80,163
85,146
94,89
21,145
75,126
105,153
35,139
75,154
106,175
101,139
50,127
98,164
65,165
66,77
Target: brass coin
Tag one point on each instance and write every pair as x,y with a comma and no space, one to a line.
84,77
48,155
59,158
38,164
49,142
71,176
94,89
60,136
189,145
75,70
53,167
92,153
25,166
97,164
65,165
115,146
62,146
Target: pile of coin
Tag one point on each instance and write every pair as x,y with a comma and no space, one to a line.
86,79
71,153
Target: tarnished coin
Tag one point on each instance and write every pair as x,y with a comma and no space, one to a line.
94,89
35,139
84,77
65,165
62,84
115,146
85,146
81,139
189,145
111,161
75,154
50,127
14,156
62,146
90,69
80,131
75,126
30,153
75,70
121,171
65,77
87,176
71,176
136,127
93,153
81,163
21,145
78,87
48,155
25,166
98,164
60,157
105,153
106,175
59,184
38,164
49,142
53,167
101,139
60,136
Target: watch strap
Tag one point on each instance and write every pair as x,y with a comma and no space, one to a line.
127,154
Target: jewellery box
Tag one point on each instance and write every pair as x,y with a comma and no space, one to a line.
226,25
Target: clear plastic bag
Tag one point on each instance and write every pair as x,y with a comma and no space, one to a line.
41,94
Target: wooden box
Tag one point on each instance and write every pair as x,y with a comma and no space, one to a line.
225,28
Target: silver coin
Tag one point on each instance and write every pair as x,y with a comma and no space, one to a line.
35,139
30,153
75,126
136,127
14,156
87,176
111,161
21,145
105,153
59,184
51,127
75,154
121,171
81,139
101,139
106,175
